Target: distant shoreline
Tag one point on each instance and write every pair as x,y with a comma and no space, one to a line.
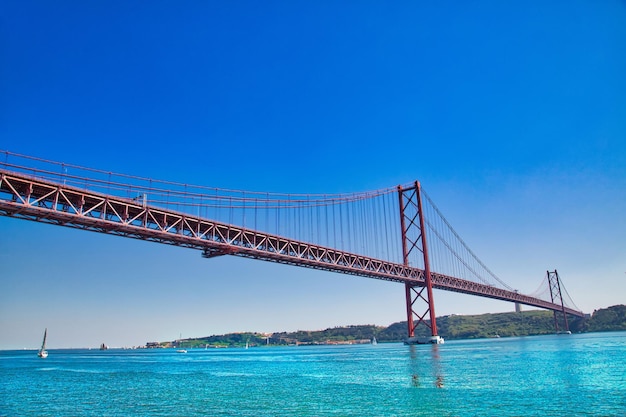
451,327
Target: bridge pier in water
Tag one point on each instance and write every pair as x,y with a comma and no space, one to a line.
420,305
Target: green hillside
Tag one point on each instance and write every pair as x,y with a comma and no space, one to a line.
450,327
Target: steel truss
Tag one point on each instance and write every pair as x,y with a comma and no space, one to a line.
419,297
46,201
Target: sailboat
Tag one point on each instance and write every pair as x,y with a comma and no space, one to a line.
42,352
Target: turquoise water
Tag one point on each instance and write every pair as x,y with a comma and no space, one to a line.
567,375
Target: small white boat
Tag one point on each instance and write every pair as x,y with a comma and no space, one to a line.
43,353
374,342
181,351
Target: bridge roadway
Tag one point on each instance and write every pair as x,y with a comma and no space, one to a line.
43,200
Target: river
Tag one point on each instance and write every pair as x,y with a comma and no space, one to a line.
564,375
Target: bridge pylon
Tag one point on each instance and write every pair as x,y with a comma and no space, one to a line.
419,297
554,283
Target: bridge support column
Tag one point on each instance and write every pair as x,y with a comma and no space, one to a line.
554,283
420,305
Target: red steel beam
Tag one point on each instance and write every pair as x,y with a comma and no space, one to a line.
419,298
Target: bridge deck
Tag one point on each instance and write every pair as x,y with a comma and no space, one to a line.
47,201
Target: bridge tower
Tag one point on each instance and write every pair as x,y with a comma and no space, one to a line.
554,283
419,297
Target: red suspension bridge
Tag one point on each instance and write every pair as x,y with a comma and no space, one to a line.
394,234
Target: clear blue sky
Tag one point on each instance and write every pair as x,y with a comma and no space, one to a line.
511,114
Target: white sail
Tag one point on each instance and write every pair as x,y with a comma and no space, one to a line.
42,352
